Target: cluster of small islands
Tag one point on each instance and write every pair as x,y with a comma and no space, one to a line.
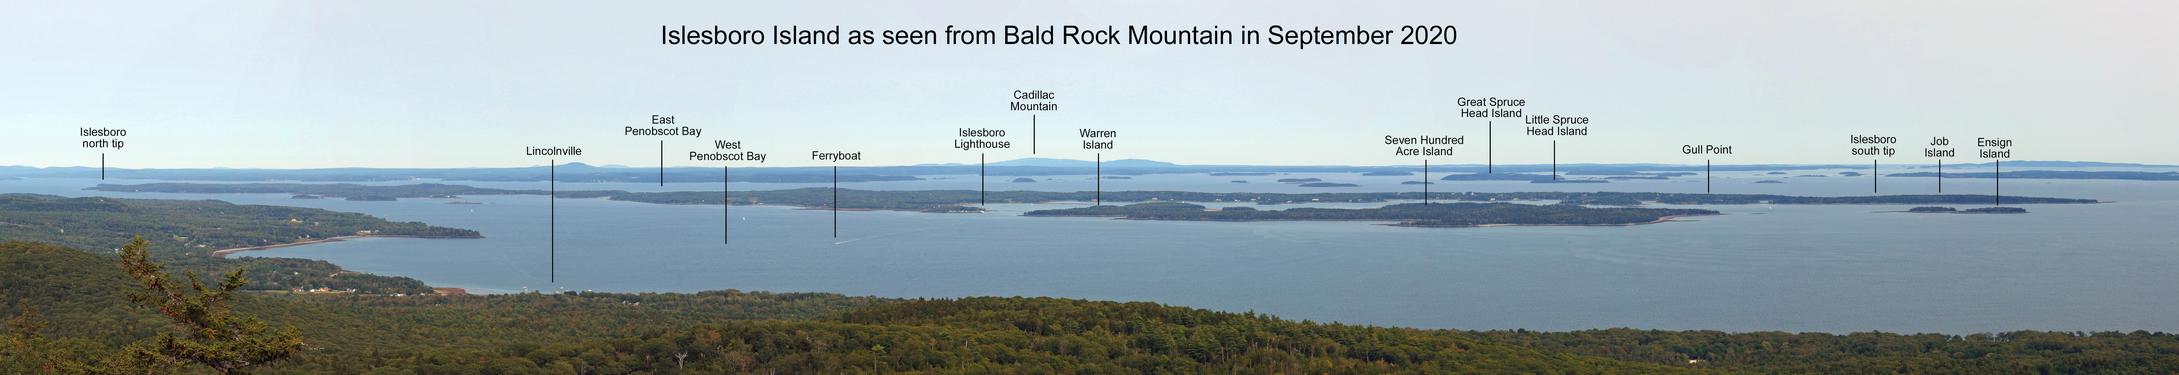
1451,209
1600,176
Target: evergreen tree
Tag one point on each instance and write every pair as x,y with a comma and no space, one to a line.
214,336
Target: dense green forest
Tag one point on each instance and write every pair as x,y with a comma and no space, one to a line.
186,224
184,233
950,200
82,318
1408,214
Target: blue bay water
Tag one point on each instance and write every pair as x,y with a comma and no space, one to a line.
1759,267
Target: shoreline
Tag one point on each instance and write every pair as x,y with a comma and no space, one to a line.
222,253
1659,220
1663,219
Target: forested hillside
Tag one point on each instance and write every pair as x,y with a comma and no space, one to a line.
184,233
85,318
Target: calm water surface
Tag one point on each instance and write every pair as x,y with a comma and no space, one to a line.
1760,267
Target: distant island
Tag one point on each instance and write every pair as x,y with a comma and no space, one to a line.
1407,214
1388,173
1328,184
1299,180
1849,173
1984,210
949,200
2055,175
1531,178
579,172
1024,180
1495,177
1626,173
1602,200
1770,182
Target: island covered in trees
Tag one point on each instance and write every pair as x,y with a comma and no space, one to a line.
2054,175
1408,214
1984,210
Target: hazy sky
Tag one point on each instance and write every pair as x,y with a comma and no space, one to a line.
469,83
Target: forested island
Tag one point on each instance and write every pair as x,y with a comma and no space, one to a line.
1409,214
2054,175
1496,177
945,200
1531,178
1585,172
1984,210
